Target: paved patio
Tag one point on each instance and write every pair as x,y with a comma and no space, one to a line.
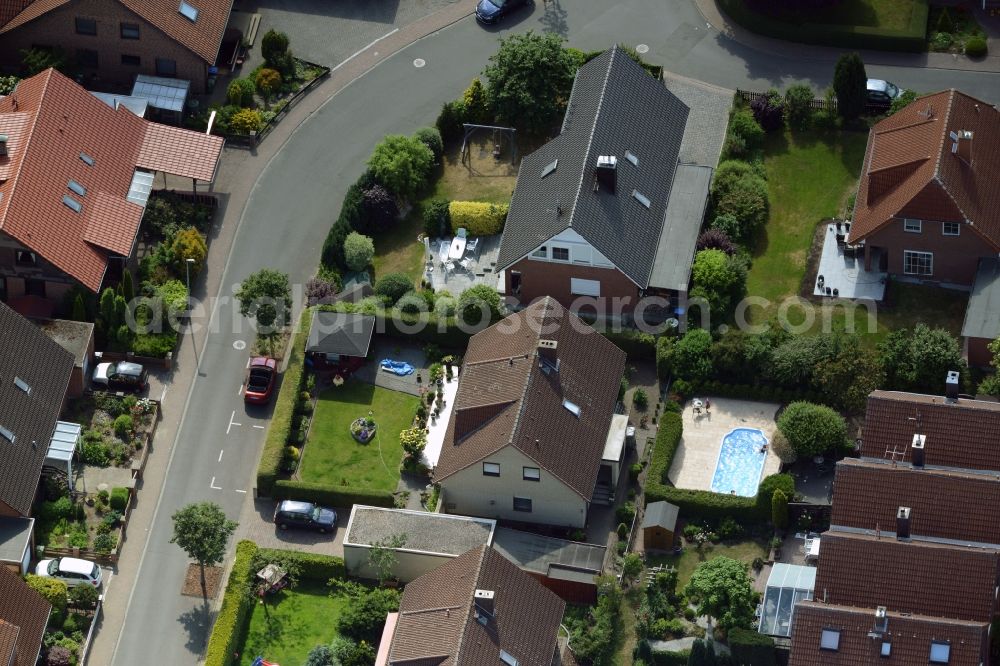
396,350
845,272
696,458
458,279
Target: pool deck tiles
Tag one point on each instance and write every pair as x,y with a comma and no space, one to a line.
695,461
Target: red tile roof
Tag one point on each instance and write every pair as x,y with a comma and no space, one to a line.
910,171
943,504
438,622
909,637
907,576
202,36
50,121
504,397
961,434
25,609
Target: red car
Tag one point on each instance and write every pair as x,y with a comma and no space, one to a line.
260,380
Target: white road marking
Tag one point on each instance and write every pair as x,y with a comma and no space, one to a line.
232,422
220,454
248,361
163,393
241,491
213,486
239,391
259,427
239,345
362,50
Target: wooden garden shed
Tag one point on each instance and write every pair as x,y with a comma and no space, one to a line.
658,526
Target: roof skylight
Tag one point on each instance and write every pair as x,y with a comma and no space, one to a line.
641,198
549,168
573,408
940,652
631,158
188,11
87,159
76,187
72,203
7,434
23,385
508,658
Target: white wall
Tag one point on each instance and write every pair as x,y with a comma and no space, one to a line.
409,565
580,251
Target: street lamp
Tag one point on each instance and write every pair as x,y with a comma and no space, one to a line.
187,272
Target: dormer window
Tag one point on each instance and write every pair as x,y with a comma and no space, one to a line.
25,258
188,11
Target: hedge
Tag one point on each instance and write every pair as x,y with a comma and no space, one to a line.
338,496
478,218
312,566
638,346
231,621
404,325
703,503
671,658
911,39
280,429
762,392
751,648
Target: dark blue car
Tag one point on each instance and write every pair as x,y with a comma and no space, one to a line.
491,11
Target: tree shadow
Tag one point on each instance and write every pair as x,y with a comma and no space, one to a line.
197,624
554,18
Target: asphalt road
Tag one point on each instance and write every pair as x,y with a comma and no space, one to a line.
297,197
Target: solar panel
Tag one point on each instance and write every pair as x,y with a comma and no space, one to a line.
76,187
72,203
188,11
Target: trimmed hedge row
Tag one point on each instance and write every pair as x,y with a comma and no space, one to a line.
280,429
423,327
230,623
477,217
702,503
638,346
671,658
312,566
911,39
751,647
337,496
760,392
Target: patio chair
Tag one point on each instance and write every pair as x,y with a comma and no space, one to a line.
443,248
462,232
448,267
472,246
466,264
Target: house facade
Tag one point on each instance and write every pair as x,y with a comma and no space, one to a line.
526,439
110,41
926,208
608,212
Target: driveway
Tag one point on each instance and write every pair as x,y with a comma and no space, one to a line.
257,524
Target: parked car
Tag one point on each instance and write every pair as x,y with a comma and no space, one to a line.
881,92
304,515
261,375
71,570
491,11
121,376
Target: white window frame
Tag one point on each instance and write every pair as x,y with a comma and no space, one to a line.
541,253
944,228
830,640
582,287
531,474
491,469
907,253
912,226
569,254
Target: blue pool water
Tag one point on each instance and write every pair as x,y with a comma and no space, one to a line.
740,462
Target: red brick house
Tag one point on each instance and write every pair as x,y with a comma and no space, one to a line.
609,211
75,175
927,208
110,41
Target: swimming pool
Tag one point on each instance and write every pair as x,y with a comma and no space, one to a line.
740,462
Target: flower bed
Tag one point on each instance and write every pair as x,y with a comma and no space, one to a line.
115,429
363,430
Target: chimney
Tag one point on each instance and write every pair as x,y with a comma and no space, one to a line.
951,386
547,355
917,450
3,145
607,172
962,146
903,523
484,600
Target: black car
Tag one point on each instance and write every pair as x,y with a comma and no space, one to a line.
491,11
304,515
123,376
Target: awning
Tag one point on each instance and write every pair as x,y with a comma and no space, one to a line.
616,438
64,441
161,92
180,152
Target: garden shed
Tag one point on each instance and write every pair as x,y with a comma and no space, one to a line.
339,341
658,525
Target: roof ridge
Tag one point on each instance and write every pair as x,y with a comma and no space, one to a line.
429,610
472,601
29,134
915,123
500,359
941,145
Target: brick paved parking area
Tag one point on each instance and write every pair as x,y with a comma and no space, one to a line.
256,524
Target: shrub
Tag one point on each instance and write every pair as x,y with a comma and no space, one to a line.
812,429
7,84
716,238
747,131
919,359
640,399
477,109
769,111
322,493
319,292
750,647
358,251
58,655
781,448
95,452
746,201
154,345
240,92
904,99
798,106
246,121
333,247
437,217
413,441
124,426
691,356
478,218
717,278
632,566
664,356
944,22
268,82
393,286
402,164
273,46
362,620
227,633
449,121
849,84
52,590
105,543
975,47
312,567
779,509
431,137
83,596
479,304
119,499
625,513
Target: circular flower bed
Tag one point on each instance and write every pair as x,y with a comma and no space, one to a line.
363,430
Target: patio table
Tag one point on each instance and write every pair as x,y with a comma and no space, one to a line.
457,248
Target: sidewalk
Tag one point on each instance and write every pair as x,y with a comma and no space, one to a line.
713,15
238,174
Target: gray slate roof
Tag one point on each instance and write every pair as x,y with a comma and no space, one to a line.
30,355
15,536
340,333
615,107
982,316
660,514
675,251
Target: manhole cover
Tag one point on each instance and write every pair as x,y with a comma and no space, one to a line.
239,345
642,48
419,62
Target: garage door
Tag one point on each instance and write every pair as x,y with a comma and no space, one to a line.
584,287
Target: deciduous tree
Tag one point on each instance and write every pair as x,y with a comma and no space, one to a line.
202,531
724,591
266,296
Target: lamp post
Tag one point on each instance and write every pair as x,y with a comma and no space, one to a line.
187,273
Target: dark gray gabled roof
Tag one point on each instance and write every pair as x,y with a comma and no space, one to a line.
982,316
615,107
340,333
42,365
660,514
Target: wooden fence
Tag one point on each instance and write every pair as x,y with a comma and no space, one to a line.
750,96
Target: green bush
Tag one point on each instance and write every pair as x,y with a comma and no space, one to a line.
664,356
431,137
240,92
230,623
798,106
363,619
312,567
345,496
691,356
779,510
750,647
477,217
436,218
83,596
358,251
246,121
280,428
95,452
449,121
393,286
124,426
479,304
401,164
640,399
745,198
52,590
975,47
743,126
944,22
812,429
273,45
119,499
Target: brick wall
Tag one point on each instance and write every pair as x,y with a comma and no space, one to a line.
955,257
58,28
549,278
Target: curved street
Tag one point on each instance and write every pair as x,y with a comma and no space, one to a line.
286,217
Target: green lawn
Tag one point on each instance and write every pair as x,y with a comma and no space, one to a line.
296,621
399,251
688,561
331,455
